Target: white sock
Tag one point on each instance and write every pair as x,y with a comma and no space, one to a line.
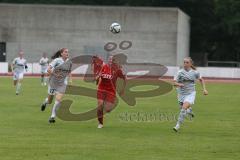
177,125
46,101
45,80
181,117
55,108
18,87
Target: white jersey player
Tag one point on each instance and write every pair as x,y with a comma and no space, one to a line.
19,65
185,81
44,66
59,70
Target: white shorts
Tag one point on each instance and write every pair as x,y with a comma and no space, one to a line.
54,90
43,70
190,98
17,75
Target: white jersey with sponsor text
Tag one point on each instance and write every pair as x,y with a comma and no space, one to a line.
61,70
19,65
44,63
188,78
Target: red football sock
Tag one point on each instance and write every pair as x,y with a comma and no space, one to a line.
100,115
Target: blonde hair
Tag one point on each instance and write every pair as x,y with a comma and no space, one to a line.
190,59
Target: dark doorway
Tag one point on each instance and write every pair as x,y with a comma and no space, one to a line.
3,52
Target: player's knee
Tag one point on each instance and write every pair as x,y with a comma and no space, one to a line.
100,106
108,110
59,97
100,103
186,105
109,107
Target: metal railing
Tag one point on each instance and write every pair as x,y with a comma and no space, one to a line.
223,64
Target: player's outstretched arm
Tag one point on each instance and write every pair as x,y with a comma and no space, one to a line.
12,65
50,70
201,80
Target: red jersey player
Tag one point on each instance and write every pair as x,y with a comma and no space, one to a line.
106,93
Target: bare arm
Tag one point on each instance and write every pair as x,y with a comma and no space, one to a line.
12,66
201,80
50,70
98,76
176,84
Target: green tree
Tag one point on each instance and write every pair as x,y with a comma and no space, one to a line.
227,30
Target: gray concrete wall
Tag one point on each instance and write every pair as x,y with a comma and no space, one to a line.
183,34
157,34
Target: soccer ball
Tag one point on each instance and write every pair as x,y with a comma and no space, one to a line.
115,28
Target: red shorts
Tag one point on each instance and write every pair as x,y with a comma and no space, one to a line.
106,96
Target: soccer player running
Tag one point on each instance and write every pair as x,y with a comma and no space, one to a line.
44,66
185,83
59,70
18,66
106,93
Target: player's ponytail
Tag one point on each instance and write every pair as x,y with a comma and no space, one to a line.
58,53
193,67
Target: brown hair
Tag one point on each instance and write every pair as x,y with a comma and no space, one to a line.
58,53
190,59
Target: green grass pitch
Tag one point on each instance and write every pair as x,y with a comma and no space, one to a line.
25,133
